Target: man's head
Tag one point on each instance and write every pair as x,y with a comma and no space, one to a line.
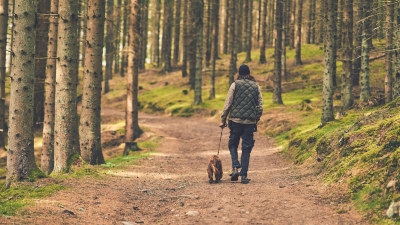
244,70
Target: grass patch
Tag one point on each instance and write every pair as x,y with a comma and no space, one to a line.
17,197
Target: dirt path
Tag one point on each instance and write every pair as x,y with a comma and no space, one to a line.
171,187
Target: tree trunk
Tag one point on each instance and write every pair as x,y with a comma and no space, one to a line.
214,46
20,153
347,57
198,6
47,156
329,20
248,29
132,130
225,40
232,41
144,21
298,33
117,34
3,48
185,31
292,25
177,31
156,34
396,85
167,34
263,45
90,120
388,59
42,29
277,79
357,44
110,48
365,49
191,50
66,140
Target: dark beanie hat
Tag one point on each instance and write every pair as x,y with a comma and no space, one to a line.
244,70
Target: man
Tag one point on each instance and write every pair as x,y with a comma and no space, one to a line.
243,105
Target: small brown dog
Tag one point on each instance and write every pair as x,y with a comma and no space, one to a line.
214,168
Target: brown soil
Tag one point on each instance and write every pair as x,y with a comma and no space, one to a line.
171,187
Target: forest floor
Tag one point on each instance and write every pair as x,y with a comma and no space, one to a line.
171,186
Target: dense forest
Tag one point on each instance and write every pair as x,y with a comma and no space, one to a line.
47,45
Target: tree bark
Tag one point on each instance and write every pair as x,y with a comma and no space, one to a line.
263,45
90,120
66,138
20,153
277,79
347,57
3,48
214,47
232,41
177,31
198,6
47,156
365,49
167,35
42,29
396,85
298,32
388,59
110,48
132,129
329,20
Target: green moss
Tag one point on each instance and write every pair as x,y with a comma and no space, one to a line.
17,197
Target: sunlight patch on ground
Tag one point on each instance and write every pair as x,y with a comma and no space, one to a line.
148,175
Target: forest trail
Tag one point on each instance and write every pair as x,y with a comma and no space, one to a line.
171,187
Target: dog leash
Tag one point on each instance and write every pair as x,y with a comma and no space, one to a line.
220,140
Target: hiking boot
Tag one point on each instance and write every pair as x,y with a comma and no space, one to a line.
235,174
245,180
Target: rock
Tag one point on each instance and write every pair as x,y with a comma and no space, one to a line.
393,209
192,213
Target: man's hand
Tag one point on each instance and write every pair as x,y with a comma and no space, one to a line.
222,125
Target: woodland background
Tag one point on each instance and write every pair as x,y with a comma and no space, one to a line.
56,55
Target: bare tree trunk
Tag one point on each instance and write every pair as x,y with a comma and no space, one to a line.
232,41
357,43
365,49
20,153
144,22
47,156
132,130
117,35
329,20
396,85
225,40
90,120
110,48
248,29
156,34
66,140
263,45
177,31
347,57
3,48
167,35
198,6
298,33
277,79
389,43
214,47
292,25
42,29
185,31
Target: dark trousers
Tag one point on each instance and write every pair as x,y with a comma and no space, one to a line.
245,132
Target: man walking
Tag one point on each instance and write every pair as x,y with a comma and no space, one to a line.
243,106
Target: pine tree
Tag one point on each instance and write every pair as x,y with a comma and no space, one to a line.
20,153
